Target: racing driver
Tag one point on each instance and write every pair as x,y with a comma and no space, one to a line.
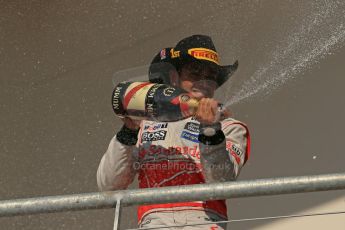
178,153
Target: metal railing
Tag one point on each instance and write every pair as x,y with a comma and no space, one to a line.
214,191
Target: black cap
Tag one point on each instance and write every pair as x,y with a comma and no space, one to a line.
199,48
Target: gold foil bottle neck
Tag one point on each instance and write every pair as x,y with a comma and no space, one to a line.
193,105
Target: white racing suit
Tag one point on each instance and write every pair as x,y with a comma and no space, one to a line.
175,153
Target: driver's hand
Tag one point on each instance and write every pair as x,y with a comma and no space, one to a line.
208,113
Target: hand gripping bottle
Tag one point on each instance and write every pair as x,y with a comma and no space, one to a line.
149,101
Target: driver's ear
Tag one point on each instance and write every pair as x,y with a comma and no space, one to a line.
174,78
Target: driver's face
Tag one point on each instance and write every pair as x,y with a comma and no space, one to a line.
200,83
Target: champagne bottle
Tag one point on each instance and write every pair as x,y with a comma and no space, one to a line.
149,101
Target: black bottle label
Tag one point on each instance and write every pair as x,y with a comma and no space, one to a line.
145,100
117,98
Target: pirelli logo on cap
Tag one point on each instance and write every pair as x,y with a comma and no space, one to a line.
204,54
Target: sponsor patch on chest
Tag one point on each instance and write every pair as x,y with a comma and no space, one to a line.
156,126
193,127
236,149
190,136
154,136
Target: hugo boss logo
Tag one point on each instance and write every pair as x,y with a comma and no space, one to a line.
154,136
